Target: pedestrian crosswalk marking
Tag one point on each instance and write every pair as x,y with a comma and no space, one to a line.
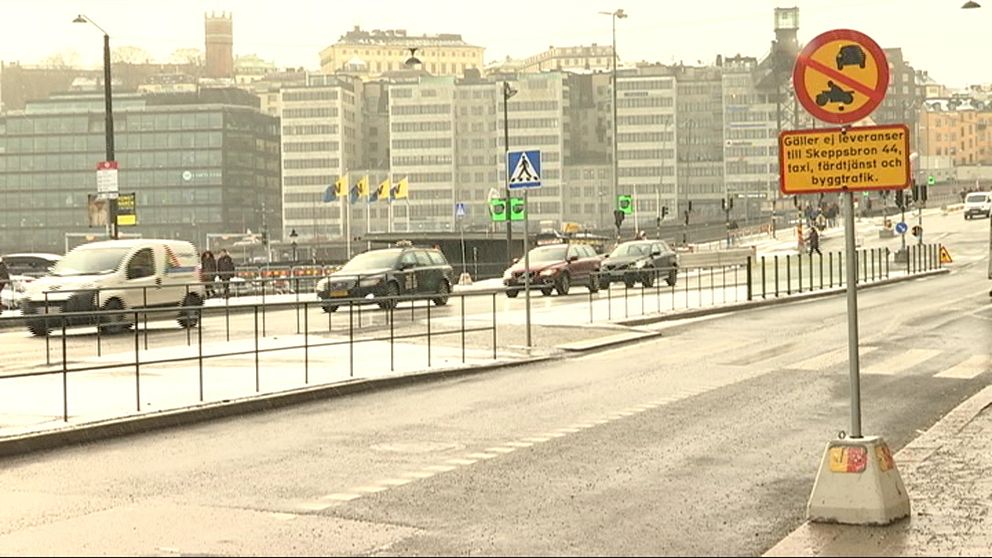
830,359
969,368
901,362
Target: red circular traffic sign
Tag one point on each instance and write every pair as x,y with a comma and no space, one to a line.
841,76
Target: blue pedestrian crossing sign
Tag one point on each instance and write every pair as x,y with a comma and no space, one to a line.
460,210
901,228
523,169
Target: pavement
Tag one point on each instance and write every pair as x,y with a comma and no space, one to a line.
948,476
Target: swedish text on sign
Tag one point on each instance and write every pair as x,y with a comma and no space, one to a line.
837,159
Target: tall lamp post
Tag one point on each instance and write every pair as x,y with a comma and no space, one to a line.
109,104
507,93
687,207
614,16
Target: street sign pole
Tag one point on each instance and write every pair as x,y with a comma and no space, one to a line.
527,264
852,316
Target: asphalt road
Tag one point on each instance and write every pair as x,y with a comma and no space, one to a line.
702,442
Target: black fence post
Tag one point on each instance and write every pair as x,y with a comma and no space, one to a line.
749,286
819,261
137,364
306,343
392,362
494,326
65,370
428,333
263,306
351,339
257,380
799,260
776,275
463,327
764,290
199,345
788,274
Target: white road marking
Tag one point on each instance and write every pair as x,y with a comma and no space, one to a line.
535,439
419,474
969,368
481,455
459,461
829,359
900,362
371,489
395,482
440,468
500,449
520,444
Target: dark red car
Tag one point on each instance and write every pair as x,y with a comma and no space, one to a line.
556,268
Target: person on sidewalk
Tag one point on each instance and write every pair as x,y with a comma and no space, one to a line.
4,279
225,270
814,241
208,271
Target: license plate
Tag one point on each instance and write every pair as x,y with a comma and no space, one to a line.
339,293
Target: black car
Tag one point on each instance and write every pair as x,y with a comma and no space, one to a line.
374,277
640,261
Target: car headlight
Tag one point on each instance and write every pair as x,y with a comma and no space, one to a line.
507,274
20,287
322,284
640,264
549,272
370,281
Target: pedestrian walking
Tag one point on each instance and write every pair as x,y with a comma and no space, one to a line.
208,271
4,279
814,241
225,270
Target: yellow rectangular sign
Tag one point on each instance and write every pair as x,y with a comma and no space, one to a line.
843,159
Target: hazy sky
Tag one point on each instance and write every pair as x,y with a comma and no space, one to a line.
935,35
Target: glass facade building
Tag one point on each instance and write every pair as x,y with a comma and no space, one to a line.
198,163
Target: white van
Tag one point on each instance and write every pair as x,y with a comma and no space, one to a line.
978,203
116,275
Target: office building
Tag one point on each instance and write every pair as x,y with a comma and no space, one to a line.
372,53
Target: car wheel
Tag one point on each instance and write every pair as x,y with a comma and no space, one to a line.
547,291
512,293
443,290
189,316
114,323
563,284
594,283
330,308
673,277
647,278
392,291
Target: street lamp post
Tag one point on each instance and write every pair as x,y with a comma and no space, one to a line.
687,207
507,93
614,16
109,104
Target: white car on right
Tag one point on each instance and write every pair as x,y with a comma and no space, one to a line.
978,204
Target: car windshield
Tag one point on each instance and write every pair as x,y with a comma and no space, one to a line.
377,259
548,253
631,250
95,261
976,198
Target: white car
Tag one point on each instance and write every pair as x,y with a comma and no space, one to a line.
978,204
24,268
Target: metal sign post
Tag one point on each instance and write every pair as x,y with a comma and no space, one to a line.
523,169
852,315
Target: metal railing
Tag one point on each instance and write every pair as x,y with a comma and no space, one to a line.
137,320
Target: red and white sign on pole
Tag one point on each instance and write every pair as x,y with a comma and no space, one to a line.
106,179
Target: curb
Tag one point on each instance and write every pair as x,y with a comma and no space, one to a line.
910,456
799,297
611,341
137,424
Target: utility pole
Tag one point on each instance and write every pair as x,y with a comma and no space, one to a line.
507,93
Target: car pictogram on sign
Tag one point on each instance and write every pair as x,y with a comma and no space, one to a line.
851,55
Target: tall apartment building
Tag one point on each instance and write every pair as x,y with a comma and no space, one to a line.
751,137
319,132
646,141
699,133
372,53
959,128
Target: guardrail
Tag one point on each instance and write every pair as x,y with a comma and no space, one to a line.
312,337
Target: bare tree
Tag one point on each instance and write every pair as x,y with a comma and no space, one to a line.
62,60
129,55
186,56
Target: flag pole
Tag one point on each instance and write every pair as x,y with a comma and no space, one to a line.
368,214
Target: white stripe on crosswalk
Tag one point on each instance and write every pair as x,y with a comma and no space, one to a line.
829,359
900,362
969,368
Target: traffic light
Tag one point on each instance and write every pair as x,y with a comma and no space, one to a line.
664,211
919,192
265,238
917,230
727,204
625,203
618,216
497,210
518,212
900,199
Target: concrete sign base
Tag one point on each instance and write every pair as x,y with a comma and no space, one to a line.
858,484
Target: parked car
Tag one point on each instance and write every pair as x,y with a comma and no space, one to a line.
377,276
555,268
640,261
116,275
24,268
978,204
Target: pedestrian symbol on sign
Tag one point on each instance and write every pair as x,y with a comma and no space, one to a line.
524,169
460,210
